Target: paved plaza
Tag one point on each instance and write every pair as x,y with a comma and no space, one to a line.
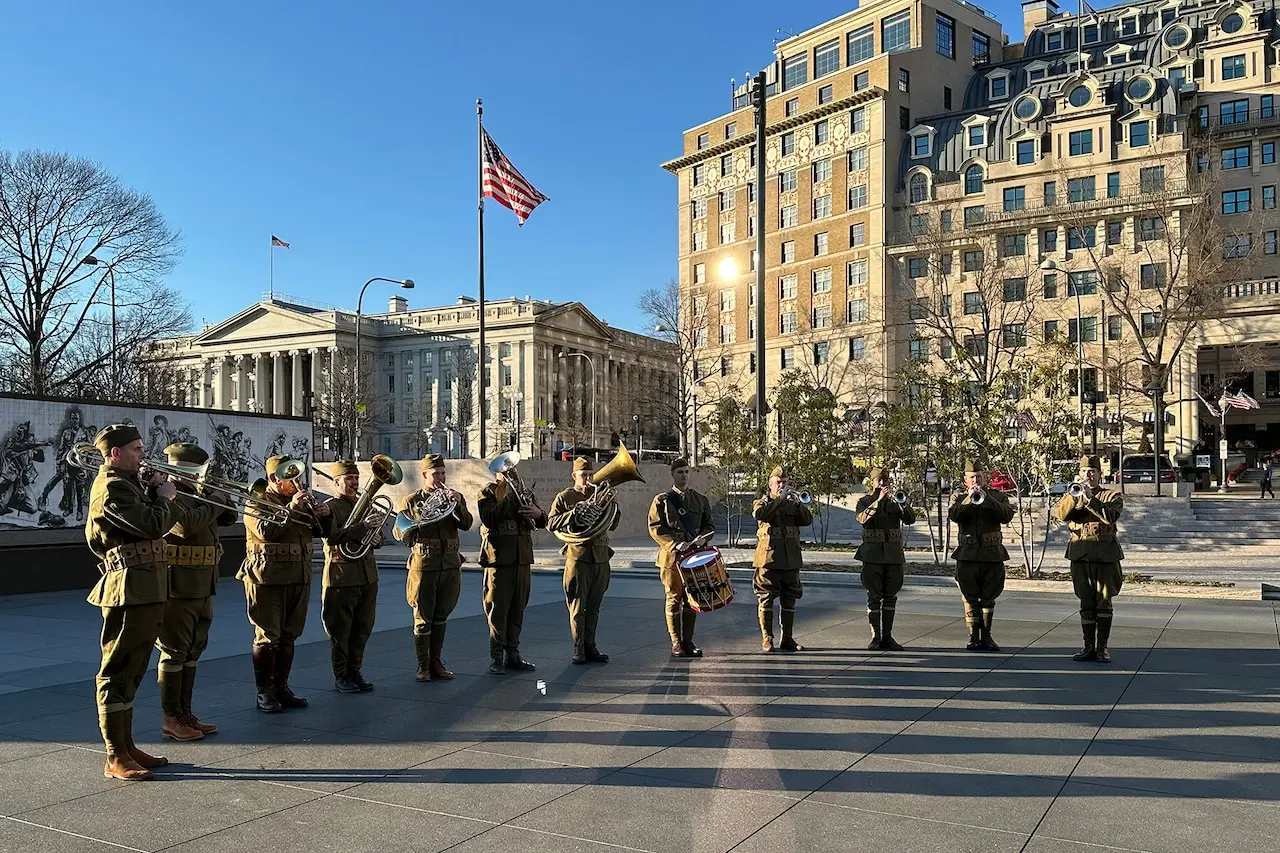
1171,748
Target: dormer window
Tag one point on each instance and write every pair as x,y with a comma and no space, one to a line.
977,136
1129,26
1037,71
1167,16
1053,41
922,142
1119,55
1139,134
1177,37
1233,23
918,188
1091,34
1080,96
998,85
974,177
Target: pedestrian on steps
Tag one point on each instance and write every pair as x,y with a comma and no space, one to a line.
1266,481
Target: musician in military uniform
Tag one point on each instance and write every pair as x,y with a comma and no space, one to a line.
349,588
435,569
277,583
125,531
778,559
586,565
980,555
1095,555
193,554
883,560
506,553
679,521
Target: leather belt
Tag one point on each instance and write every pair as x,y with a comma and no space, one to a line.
132,554
193,555
280,552
881,535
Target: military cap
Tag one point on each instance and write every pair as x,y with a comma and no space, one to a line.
874,475
582,463
974,466
1091,462
343,467
433,460
778,471
273,463
116,435
186,453
679,462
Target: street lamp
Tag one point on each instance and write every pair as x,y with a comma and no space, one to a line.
92,261
407,284
590,361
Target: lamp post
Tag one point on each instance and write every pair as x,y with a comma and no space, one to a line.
92,261
591,361
407,284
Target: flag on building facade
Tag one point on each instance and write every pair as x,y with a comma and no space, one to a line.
502,181
276,241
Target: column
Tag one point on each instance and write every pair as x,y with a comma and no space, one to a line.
437,376
298,403
1188,414
317,381
278,390
241,363
261,383
206,385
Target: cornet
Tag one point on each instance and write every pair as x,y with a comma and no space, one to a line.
977,496
900,497
1075,490
798,497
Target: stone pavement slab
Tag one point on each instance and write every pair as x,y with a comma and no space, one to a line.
1170,748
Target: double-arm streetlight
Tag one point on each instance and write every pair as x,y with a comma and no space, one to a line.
93,261
407,284
591,362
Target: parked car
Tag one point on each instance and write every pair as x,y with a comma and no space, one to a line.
1001,481
1062,473
1141,468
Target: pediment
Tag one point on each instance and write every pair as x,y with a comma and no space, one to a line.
574,317
264,320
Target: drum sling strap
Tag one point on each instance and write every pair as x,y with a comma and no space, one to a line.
678,502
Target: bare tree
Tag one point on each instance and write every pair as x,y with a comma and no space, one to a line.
684,323
55,211
338,408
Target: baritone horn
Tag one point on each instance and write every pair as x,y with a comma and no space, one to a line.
595,515
371,509
506,464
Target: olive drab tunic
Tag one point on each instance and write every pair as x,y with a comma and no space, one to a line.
596,550
882,522
435,546
981,538
505,535
280,554
1093,525
668,527
338,570
778,533
194,550
126,532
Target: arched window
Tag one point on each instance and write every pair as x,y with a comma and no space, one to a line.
973,179
919,188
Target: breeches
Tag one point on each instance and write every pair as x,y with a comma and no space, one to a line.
278,613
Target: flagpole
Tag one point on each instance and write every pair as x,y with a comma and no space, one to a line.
483,355
271,268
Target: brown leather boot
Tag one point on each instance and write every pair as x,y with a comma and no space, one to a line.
177,728
766,629
422,649
284,664
188,688
119,765
873,617
124,767
437,667
150,762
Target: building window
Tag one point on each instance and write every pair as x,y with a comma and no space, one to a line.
788,251
820,244
977,136
919,349
944,220
786,180
973,178
728,333
787,216
1113,185
921,145
1151,179
981,47
788,143
1014,335
822,351
826,94
1269,197
1086,330
726,233
917,267
896,32
1050,194
1080,189
822,317
1053,41
726,199
974,215
1013,245
699,273
1115,328
904,118
1139,134
787,287
1267,107
857,310
857,234
1268,153
1080,238
697,208
862,44
1269,242
918,188
726,301
787,358
1015,290
946,97
858,159
751,193
700,305
999,87
1081,142
857,196
821,280
822,207
1050,288
973,303
857,349
1026,152
858,120
821,132
1083,283
1050,329
704,139
1150,228
699,174
1235,201
795,71
1115,233
1232,112
1151,276
822,170
857,273
946,40
699,241
787,322
1015,198
861,80
731,130
1233,67
1236,157
904,80
1150,321
1237,246
826,58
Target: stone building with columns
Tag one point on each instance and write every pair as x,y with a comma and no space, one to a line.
550,368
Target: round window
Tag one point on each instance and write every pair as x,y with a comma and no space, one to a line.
1027,108
1080,96
1178,37
1139,89
1232,23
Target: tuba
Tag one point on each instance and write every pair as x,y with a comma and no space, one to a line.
506,464
371,508
595,515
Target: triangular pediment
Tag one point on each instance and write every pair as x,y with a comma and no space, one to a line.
263,320
575,317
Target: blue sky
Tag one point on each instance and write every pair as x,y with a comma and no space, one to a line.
348,129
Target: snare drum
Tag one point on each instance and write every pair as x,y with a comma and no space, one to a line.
706,580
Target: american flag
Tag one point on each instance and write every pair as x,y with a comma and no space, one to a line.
276,241
1240,400
1213,410
502,181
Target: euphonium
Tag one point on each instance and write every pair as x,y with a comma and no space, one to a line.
371,508
595,515
506,464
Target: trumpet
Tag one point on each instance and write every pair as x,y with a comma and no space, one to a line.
798,497
901,497
1075,490
977,496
